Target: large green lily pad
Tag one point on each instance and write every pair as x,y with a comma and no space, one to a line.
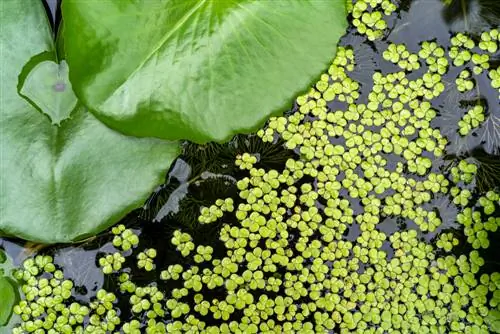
8,298
196,69
62,183
9,294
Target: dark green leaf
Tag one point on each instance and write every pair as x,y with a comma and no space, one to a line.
8,300
6,264
9,291
196,69
60,184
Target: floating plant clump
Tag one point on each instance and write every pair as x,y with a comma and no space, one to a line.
362,210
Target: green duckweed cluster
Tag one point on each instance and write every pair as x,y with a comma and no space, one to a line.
183,242
398,54
465,52
464,172
494,76
305,251
124,238
368,16
212,213
477,223
111,263
145,259
48,305
287,266
471,120
463,81
447,241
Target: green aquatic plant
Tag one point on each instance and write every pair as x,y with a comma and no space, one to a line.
464,172
145,259
489,41
212,213
460,50
46,303
434,56
471,120
368,16
204,254
304,246
475,54
225,57
124,238
398,54
183,242
447,241
494,76
463,81
9,291
79,153
111,263
439,282
49,103
477,224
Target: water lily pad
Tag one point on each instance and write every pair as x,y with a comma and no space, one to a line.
8,298
196,69
63,183
9,294
48,88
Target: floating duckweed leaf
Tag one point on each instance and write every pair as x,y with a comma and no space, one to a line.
48,88
196,69
493,319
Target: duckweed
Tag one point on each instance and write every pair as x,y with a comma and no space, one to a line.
398,54
463,81
111,263
494,76
471,120
145,259
368,17
447,241
183,243
124,238
415,289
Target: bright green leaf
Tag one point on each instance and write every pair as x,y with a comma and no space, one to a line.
8,291
48,88
8,298
196,69
60,184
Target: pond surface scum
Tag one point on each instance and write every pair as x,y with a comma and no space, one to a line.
372,206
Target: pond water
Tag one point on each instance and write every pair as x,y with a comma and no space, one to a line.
372,240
